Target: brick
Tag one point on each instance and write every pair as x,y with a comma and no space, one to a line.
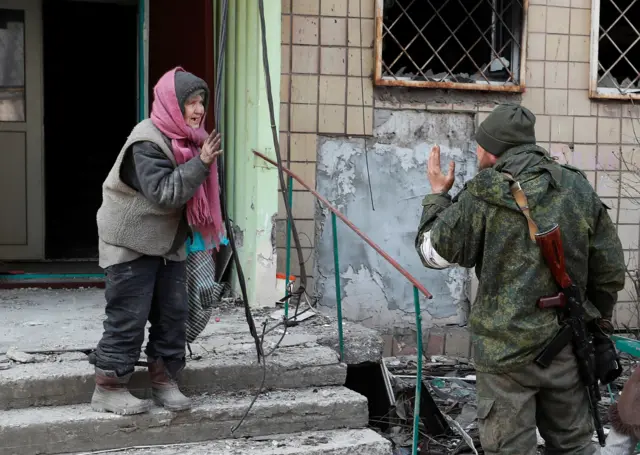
285,29
536,46
562,129
537,18
333,89
608,130
579,103
355,90
533,99
304,89
334,8
543,128
556,75
361,33
557,20
305,30
360,68
333,31
555,102
285,59
305,59
311,7
284,117
585,129
355,117
557,47
304,147
605,185
630,131
580,22
579,75
584,156
628,236
332,119
304,118
333,60
608,157
535,74
579,48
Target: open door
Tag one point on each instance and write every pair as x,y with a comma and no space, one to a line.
180,36
21,154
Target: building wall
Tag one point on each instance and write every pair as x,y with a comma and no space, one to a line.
322,111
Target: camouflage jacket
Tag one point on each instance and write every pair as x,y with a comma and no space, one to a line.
482,227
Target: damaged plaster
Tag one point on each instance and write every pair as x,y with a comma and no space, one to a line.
373,292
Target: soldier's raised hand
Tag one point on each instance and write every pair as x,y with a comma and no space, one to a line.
440,183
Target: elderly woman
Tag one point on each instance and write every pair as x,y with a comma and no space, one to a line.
164,183
625,419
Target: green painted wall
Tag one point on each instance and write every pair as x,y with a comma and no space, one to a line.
252,186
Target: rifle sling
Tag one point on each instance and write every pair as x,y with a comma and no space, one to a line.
523,205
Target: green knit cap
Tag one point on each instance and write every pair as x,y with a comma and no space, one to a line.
507,126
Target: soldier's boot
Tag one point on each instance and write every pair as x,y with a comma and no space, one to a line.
164,387
111,395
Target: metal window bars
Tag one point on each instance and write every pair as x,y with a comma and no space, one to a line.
476,45
603,84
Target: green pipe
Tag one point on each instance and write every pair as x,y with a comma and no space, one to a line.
290,197
416,410
337,274
141,87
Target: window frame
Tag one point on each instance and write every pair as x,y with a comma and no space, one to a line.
379,80
596,92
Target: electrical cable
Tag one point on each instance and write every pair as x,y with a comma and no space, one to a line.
286,322
222,178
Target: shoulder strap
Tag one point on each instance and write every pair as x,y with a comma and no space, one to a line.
523,205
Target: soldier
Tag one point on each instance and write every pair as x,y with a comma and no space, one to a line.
482,227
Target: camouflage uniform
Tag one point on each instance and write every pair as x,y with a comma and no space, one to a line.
482,227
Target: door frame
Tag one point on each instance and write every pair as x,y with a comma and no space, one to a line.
33,128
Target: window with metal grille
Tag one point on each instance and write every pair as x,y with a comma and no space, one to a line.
461,44
615,49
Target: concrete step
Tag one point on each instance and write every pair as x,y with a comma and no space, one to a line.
69,379
76,428
337,442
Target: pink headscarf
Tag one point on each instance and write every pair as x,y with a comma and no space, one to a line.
203,209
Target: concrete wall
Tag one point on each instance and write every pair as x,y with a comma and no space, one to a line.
322,130
372,290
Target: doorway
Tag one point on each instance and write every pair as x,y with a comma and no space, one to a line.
90,107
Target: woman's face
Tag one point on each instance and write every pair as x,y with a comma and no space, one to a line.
194,110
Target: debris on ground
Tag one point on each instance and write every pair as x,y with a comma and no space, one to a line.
19,356
450,385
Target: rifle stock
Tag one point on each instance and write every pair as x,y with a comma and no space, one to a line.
550,243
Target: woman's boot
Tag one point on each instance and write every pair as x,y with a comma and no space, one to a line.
111,395
164,387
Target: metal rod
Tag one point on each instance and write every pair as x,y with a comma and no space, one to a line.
290,195
352,226
336,263
416,410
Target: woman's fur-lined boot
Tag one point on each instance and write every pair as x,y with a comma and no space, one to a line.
111,395
164,386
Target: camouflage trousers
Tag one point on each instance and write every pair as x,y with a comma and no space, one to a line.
511,406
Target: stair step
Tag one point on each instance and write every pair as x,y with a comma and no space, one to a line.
62,383
336,442
76,428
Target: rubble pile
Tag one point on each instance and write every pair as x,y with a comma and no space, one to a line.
448,412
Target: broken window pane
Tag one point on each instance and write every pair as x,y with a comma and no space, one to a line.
619,47
476,42
12,96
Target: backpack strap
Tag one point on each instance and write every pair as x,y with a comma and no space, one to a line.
523,205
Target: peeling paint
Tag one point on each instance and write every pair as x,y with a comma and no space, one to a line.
373,292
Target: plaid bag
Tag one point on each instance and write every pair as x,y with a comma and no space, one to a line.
203,291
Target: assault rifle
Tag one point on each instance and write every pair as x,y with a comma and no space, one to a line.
594,362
